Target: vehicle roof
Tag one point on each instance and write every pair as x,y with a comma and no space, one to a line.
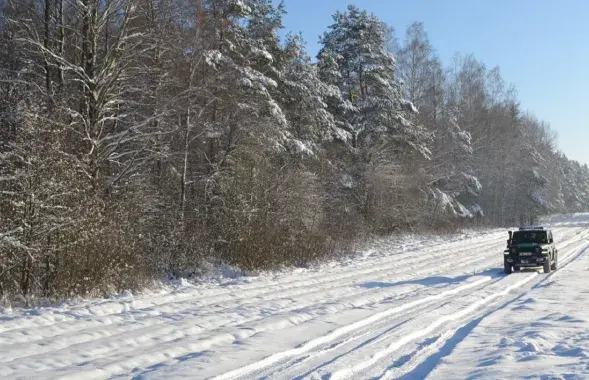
533,228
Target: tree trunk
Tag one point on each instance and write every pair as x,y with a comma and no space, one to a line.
60,44
47,45
184,169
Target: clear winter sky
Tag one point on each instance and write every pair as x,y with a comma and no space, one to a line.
541,46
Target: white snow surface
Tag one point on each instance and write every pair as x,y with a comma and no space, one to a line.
437,308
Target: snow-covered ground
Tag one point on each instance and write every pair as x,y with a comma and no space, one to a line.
440,308
543,333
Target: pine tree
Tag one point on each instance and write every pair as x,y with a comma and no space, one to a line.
357,44
303,97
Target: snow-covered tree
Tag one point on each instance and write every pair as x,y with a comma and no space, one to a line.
140,138
451,182
455,188
303,98
357,43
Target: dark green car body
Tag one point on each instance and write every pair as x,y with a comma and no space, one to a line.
530,247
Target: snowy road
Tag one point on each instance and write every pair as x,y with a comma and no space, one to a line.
400,311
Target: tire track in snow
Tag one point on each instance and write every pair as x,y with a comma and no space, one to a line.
462,317
339,332
148,357
179,335
291,294
256,366
425,352
351,372
208,297
169,333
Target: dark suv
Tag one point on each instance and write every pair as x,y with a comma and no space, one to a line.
530,247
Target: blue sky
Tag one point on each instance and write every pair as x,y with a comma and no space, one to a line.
541,46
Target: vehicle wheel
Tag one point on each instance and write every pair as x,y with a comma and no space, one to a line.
555,262
506,267
547,266
516,269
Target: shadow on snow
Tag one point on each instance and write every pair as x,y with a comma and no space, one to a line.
434,280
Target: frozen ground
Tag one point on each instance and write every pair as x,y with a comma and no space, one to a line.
429,308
